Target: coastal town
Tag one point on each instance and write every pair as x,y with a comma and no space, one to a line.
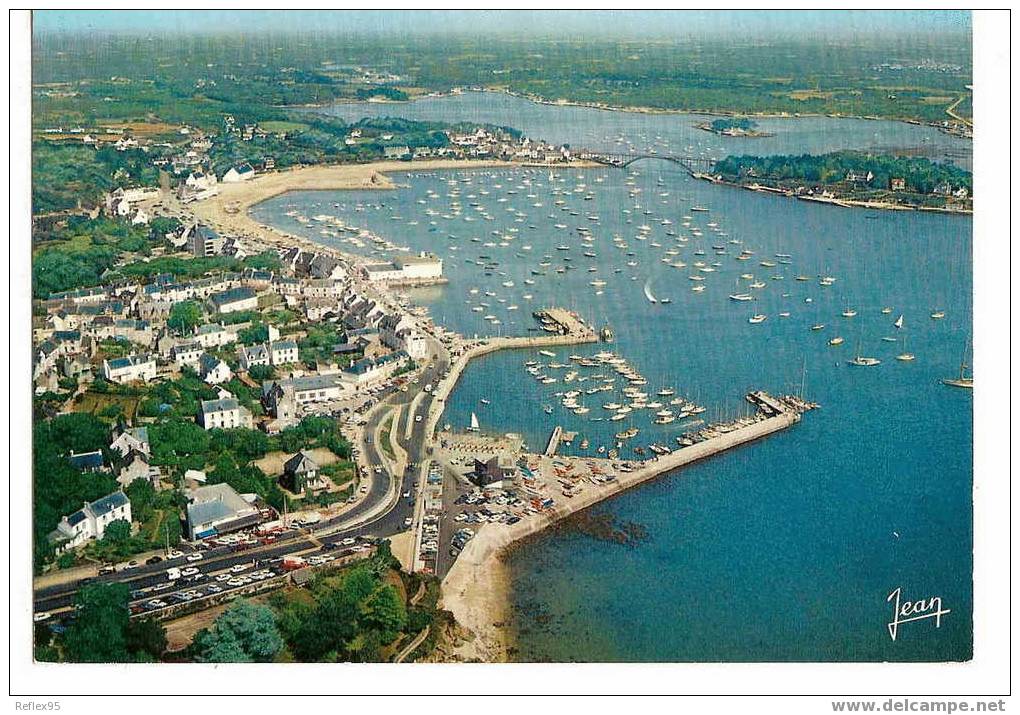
373,355
299,333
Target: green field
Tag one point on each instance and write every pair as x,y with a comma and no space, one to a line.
283,127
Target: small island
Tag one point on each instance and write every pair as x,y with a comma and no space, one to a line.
852,178
733,127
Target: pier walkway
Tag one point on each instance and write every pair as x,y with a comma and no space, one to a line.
554,441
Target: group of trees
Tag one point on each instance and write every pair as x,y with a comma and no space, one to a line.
350,617
102,631
922,175
244,633
77,252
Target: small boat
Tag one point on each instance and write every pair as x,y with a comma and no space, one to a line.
899,322
741,297
849,313
758,318
886,311
485,402
474,423
938,315
861,361
963,381
547,353
819,326
836,341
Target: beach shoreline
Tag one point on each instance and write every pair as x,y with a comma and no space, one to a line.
228,211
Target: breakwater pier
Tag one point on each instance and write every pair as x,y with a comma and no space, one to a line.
467,588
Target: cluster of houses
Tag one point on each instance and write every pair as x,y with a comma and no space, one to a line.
75,333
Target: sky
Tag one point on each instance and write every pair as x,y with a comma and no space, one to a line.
544,23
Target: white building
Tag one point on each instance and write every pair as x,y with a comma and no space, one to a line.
284,352
225,413
217,509
235,300
90,521
186,354
237,174
398,332
251,356
423,267
213,335
200,180
130,368
213,370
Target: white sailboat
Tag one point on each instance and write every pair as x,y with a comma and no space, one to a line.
899,322
474,423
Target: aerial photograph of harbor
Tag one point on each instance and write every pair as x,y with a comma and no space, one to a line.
496,336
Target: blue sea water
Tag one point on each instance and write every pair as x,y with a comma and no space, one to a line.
781,550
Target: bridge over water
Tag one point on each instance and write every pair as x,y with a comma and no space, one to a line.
692,164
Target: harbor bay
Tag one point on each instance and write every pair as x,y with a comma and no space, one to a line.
850,500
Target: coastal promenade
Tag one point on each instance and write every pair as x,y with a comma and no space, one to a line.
475,589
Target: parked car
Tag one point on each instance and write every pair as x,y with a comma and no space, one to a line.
153,559
197,556
190,571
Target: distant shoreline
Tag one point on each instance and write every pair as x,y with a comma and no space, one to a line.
840,201
536,99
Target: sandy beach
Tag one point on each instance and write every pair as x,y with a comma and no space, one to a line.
227,212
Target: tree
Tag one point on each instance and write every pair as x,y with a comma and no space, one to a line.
117,532
141,494
98,634
76,432
262,372
185,317
146,637
244,633
385,612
